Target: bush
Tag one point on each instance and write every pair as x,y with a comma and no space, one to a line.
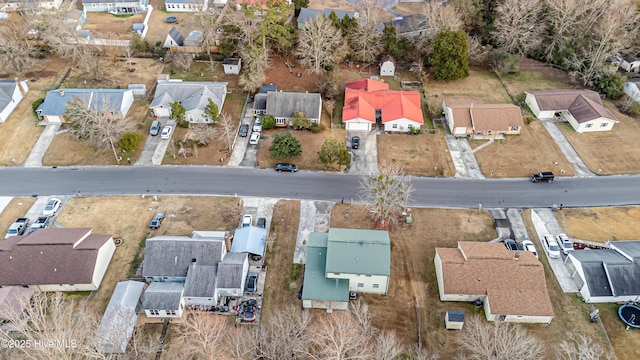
35,105
130,141
415,131
503,62
300,122
611,85
316,128
268,122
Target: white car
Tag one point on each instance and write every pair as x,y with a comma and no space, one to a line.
564,243
527,245
255,137
551,246
166,132
52,207
247,220
257,126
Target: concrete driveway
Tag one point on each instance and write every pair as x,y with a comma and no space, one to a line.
463,158
154,147
242,143
364,160
567,150
40,148
314,217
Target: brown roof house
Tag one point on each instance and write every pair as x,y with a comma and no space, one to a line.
487,271
56,260
471,116
583,109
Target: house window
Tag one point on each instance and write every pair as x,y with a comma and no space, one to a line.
360,285
190,117
394,126
410,126
604,124
154,312
514,128
171,312
336,274
488,132
589,125
368,275
376,286
281,121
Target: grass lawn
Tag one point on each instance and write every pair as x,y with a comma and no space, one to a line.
284,278
15,209
413,272
127,217
522,155
419,155
480,83
601,224
625,343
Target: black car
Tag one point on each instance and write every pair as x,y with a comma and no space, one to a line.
244,130
156,221
355,142
511,244
262,222
252,282
286,167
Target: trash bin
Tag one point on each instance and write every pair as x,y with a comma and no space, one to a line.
409,219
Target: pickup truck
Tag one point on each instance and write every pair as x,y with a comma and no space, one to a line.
542,176
40,223
17,228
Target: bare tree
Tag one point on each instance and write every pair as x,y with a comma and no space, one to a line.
580,347
201,133
359,311
16,49
208,24
329,106
100,128
334,338
180,60
200,336
481,340
364,40
387,346
435,18
386,194
477,52
320,45
284,336
422,353
142,346
227,131
520,28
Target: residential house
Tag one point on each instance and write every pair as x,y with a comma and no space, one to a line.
260,99
629,63
607,275
186,5
116,101
118,7
231,276
414,25
262,4
369,104
14,300
471,116
632,89
207,284
583,109
250,240
308,15
387,66
30,5
232,66
344,260
163,300
75,17
486,271
56,260
11,93
174,38
193,95
119,320
282,105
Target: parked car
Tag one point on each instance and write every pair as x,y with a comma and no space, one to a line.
564,243
40,223
255,257
18,228
155,128
244,130
255,138
352,295
247,220
543,176
249,311
156,221
286,167
257,125
252,282
52,207
527,245
262,222
166,132
551,246
355,142
511,244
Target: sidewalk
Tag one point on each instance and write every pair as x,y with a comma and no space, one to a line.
41,146
566,148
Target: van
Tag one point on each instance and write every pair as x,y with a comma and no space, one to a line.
155,128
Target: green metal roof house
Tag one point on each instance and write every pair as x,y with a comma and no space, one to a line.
344,260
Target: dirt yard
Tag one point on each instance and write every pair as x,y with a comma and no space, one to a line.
283,276
127,217
413,273
19,133
534,75
522,155
626,344
117,74
109,26
408,8
601,224
419,155
480,83
159,28
18,207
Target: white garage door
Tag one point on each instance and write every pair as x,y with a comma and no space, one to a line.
460,131
358,126
162,112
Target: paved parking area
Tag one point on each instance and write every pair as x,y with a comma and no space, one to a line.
364,160
40,148
463,158
241,146
154,147
315,216
566,148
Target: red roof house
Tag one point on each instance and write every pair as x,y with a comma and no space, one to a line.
370,102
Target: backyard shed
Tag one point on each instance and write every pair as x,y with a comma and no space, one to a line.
454,319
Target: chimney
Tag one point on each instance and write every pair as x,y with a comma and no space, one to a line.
227,242
22,89
517,255
61,93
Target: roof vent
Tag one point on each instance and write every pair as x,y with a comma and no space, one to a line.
517,255
61,93
193,260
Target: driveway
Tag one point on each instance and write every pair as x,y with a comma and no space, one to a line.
364,160
314,217
566,148
463,158
242,143
40,148
154,147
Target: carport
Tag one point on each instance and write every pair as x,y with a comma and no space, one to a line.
249,239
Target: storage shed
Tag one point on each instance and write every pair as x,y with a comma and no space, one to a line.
454,319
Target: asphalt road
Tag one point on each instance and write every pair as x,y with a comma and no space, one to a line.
429,192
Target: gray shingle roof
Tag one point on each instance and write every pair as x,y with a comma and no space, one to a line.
229,275
260,102
265,88
407,24
582,104
231,61
307,14
201,281
192,94
174,33
172,255
7,88
162,296
284,104
194,38
55,102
